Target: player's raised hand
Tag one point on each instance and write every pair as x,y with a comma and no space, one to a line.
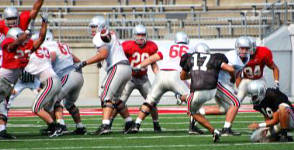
44,15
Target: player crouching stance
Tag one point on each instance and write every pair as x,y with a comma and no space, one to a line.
277,110
203,69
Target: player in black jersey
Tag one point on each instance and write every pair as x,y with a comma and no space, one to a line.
203,69
275,107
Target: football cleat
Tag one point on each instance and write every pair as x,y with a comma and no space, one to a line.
58,131
128,127
216,136
178,98
80,131
49,130
195,130
103,129
284,138
229,132
136,128
5,135
156,127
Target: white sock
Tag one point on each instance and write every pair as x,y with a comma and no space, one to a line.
128,119
227,124
202,111
106,122
2,127
60,121
138,121
79,125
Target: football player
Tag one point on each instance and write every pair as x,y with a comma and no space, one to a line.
118,72
26,80
13,19
71,80
16,50
225,95
203,69
253,70
137,51
167,79
275,107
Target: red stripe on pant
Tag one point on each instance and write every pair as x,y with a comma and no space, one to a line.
64,79
189,100
108,82
43,95
228,94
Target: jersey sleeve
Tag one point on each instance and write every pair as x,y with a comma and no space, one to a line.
6,42
2,26
154,48
184,62
220,59
126,48
97,41
24,19
269,57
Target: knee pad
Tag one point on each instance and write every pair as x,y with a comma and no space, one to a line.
73,110
147,105
108,103
120,105
3,117
58,105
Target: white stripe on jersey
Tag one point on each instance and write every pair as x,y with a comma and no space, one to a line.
172,56
115,50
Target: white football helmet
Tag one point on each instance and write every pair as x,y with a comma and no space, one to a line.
268,134
14,33
11,17
181,37
253,41
96,24
243,42
140,34
201,48
257,91
49,36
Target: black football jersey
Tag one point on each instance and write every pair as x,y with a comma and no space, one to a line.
270,104
204,69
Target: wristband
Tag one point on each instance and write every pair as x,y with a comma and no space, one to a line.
262,125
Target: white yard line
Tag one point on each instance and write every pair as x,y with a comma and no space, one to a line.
150,146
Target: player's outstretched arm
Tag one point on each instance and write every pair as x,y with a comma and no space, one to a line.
152,59
42,35
36,8
185,75
155,68
276,73
230,69
101,55
14,45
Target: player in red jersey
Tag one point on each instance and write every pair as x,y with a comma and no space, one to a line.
13,19
259,58
136,51
16,50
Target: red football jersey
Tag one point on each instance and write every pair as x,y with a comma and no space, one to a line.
17,59
254,68
24,19
136,55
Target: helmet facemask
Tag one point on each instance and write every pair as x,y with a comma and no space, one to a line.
11,17
141,39
256,91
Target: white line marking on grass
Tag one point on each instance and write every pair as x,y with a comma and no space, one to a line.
151,146
163,117
112,138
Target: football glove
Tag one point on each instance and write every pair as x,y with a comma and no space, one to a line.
277,84
80,65
44,16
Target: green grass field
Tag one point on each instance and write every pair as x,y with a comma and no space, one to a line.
173,137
